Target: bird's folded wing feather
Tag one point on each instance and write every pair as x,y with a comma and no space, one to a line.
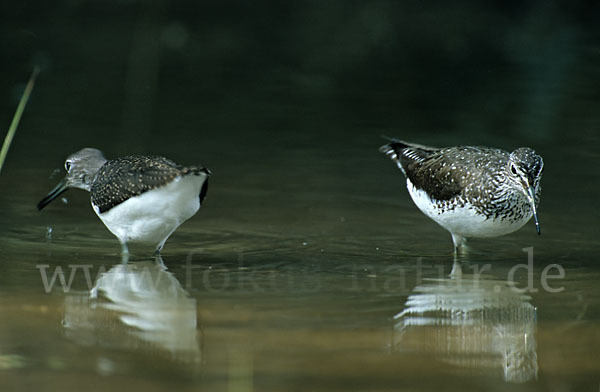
126,177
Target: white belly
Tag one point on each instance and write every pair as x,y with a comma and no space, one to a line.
463,221
152,216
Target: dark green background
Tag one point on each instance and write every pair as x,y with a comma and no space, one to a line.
238,79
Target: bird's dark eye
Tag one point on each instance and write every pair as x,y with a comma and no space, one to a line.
513,169
68,165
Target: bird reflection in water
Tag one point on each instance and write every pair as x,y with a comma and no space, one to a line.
136,305
471,322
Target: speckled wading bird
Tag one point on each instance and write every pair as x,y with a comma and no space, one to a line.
139,198
471,191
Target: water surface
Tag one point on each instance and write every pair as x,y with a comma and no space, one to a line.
308,267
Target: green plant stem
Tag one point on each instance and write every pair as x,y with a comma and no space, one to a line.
17,117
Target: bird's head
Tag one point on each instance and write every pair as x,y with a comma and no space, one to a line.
524,170
81,168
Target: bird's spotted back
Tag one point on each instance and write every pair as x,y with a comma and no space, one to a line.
126,177
449,173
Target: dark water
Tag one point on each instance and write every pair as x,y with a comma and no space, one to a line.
308,267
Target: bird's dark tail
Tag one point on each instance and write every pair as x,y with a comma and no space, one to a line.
404,153
196,170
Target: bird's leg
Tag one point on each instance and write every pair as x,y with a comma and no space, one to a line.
158,260
124,253
160,246
460,245
460,252
456,268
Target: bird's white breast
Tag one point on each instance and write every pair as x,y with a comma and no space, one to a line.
152,216
462,220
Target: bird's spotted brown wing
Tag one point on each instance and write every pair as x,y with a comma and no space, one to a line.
126,177
436,176
455,171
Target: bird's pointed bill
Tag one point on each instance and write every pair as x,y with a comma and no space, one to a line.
531,197
54,193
